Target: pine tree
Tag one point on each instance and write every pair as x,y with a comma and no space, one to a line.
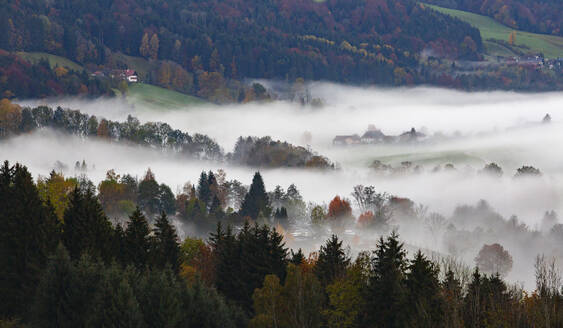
30,232
166,249
256,201
216,210
424,300
387,291
203,188
332,261
452,292
137,242
86,228
159,294
472,303
114,303
149,194
297,258
166,200
66,292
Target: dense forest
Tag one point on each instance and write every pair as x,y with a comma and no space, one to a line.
81,269
209,48
542,16
337,40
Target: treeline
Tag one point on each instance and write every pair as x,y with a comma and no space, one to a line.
84,271
22,79
528,15
212,199
257,152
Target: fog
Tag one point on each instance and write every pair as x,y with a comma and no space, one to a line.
475,129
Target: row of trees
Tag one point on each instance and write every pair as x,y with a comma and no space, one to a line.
256,152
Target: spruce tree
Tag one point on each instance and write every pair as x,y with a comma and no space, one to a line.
114,303
137,242
86,228
297,258
166,200
149,194
452,292
203,188
424,300
472,302
166,249
387,291
332,262
216,210
65,295
256,201
159,294
30,232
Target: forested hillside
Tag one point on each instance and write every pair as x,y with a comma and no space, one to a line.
543,16
210,48
370,41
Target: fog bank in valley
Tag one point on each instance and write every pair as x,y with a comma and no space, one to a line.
467,130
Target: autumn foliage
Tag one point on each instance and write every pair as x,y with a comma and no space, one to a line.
339,208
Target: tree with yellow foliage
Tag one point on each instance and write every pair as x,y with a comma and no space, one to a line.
153,46
144,49
10,117
60,71
57,189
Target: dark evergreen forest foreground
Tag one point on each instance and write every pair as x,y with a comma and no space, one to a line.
65,264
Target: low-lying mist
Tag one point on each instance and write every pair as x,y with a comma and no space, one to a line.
468,130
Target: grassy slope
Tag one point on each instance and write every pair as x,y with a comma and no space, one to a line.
53,60
158,98
551,46
139,93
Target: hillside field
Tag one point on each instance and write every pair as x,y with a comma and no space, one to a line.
159,98
551,46
53,60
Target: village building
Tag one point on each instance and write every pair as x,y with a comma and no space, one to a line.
346,140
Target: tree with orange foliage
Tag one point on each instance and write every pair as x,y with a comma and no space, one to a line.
339,208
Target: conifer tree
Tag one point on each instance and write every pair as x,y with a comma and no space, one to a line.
86,228
159,294
256,201
424,300
297,258
332,261
166,249
166,199
30,232
387,291
149,194
137,239
203,188
66,292
114,303
452,293
216,210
